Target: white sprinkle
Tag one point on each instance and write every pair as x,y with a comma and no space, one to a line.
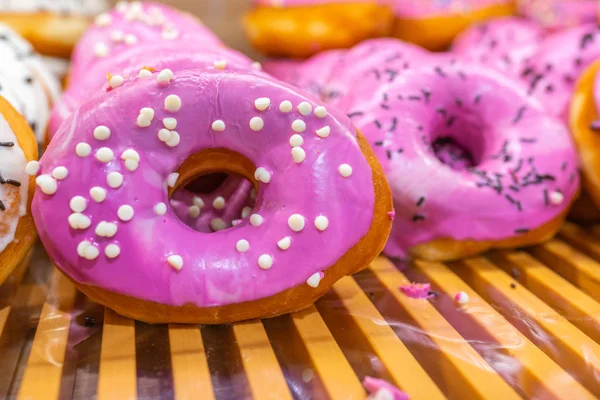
172,179
242,246
164,135
256,124
79,221
104,154
116,81
321,222
112,251
101,50
60,173
164,77
198,201
114,180
265,261
170,123
299,126
91,252
143,122
256,220
556,198
32,168
345,170
194,211
298,154
130,39
286,106
296,140
175,261
116,36
78,204
125,213
246,211
130,154
160,209
47,184
131,165
101,132
305,108
236,222
145,73
324,131
83,149
461,298
262,103
172,103
218,224
173,140
296,222
147,112
219,203
170,34
314,280
220,64
106,229
103,20
98,194
218,126
320,112
81,247
256,65
284,243
262,175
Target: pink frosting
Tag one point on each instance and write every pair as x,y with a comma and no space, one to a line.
504,44
417,290
552,72
462,149
558,14
374,385
214,271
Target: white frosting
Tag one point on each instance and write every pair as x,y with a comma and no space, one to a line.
12,166
25,81
79,7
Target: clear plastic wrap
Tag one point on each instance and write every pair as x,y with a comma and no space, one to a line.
530,329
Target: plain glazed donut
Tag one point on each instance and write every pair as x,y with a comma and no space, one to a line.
25,81
318,183
301,28
18,154
559,14
584,121
434,24
52,26
505,44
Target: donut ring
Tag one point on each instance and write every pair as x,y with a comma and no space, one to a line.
17,148
53,27
285,268
583,121
434,25
303,28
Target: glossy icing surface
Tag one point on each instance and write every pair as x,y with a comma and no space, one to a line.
121,234
25,81
461,146
14,184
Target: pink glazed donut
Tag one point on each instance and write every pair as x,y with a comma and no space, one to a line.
559,14
109,228
505,44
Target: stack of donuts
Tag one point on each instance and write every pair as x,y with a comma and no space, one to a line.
474,158
158,110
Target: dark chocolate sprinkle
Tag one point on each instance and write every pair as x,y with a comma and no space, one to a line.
462,75
384,106
526,72
513,285
549,67
433,294
563,167
7,144
546,201
513,188
394,57
2,207
400,97
450,121
33,126
521,230
438,70
389,154
442,111
477,99
377,123
391,74
420,202
417,98
519,114
459,102
528,140
375,72
418,217
578,61
379,143
586,39
420,128
355,114
426,94
534,82
400,151
394,124
509,198
549,88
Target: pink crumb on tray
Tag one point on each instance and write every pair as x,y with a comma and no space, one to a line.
383,390
392,214
417,290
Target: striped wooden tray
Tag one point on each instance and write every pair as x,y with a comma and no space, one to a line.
530,330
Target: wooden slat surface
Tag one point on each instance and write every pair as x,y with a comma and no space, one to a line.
403,368
44,367
471,376
559,339
538,376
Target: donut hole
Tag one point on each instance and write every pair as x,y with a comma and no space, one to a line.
216,190
459,145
